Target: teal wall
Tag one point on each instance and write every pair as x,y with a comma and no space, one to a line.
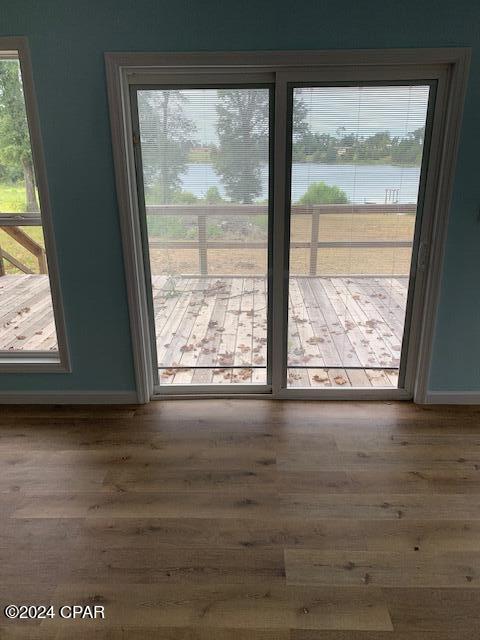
68,39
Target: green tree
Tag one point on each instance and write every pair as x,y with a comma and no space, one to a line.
243,133
300,113
15,150
377,147
315,147
242,129
183,197
345,148
213,196
321,193
408,150
167,138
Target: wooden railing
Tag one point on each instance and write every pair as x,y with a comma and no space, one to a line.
202,212
27,243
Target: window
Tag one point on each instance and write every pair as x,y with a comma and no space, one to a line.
31,330
306,265
205,160
356,168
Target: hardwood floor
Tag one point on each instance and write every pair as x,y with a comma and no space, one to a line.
245,520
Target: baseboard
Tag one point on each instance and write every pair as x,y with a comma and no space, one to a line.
130,397
452,397
68,397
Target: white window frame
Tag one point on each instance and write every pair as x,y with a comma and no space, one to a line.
447,66
58,361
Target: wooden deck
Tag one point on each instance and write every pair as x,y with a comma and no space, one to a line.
342,331
26,314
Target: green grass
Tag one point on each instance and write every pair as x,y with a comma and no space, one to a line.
12,247
200,154
12,198
172,227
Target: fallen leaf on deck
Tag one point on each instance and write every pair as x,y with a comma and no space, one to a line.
225,359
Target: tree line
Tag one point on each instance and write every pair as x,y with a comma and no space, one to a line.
343,148
242,127
169,137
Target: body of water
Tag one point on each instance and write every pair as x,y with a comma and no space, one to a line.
361,183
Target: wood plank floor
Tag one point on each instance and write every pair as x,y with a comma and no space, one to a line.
342,331
26,314
243,520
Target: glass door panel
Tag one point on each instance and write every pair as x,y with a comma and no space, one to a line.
206,191
356,158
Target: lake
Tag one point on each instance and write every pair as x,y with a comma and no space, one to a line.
361,183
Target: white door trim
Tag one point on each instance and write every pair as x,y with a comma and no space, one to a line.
449,65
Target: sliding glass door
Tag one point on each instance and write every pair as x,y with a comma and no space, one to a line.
356,153
204,159
346,219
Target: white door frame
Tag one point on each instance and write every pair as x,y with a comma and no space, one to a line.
208,79
448,66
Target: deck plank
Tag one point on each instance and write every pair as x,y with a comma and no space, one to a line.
336,315
229,338
351,320
388,312
328,335
26,310
212,335
259,338
171,324
303,306
182,322
330,355
373,331
295,377
378,325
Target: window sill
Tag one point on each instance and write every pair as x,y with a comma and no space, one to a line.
32,363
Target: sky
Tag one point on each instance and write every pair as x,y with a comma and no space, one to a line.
360,110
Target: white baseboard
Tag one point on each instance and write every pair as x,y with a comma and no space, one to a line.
130,397
68,397
452,397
